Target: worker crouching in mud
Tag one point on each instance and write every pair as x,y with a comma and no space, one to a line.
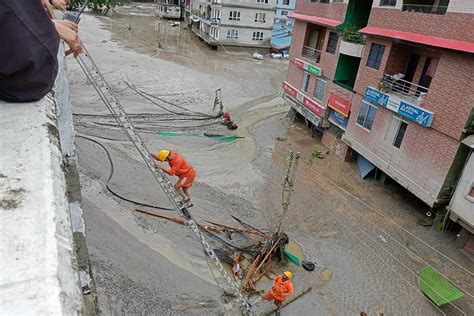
180,168
282,288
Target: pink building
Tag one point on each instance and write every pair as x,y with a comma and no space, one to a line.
390,80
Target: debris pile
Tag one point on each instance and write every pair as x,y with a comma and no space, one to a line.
251,253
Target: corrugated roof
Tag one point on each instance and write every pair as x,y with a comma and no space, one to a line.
441,42
314,19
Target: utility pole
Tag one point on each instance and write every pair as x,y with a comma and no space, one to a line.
288,184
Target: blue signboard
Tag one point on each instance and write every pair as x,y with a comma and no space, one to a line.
393,103
338,119
376,97
415,113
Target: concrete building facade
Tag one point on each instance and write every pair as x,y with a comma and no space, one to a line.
246,23
170,9
384,81
283,24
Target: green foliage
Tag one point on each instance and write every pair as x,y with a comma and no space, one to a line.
351,34
94,4
317,154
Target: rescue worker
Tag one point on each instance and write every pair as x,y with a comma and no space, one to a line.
180,168
281,289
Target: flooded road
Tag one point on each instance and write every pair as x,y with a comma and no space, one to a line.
143,265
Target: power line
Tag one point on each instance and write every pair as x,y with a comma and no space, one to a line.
383,248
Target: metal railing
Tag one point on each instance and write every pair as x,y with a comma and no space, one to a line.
205,36
421,8
311,54
405,89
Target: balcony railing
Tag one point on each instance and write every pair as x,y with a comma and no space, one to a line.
311,54
405,89
420,8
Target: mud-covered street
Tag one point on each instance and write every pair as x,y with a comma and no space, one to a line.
364,237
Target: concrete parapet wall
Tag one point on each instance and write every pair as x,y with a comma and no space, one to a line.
39,274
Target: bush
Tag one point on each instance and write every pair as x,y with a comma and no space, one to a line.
351,34
95,4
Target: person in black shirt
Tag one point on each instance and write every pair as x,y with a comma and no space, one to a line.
29,42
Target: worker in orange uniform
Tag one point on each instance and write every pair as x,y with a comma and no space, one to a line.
180,168
281,289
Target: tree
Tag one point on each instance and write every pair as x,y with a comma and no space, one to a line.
97,4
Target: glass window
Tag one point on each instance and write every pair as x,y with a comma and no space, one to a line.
233,34
305,81
234,15
375,55
319,89
257,36
286,2
332,42
260,17
390,3
397,142
262,1
366,115
284,12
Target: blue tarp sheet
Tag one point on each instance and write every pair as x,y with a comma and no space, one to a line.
365,166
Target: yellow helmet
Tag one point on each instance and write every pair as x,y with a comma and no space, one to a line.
162,155
288,274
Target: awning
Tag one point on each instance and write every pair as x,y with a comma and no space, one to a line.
365,166
441,42
469,141
314,19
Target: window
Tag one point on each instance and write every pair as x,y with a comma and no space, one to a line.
260,17
305,81
284,12
332,42
257,36
234,15
388,3
286,2
320,1
319,89
395,131
375,56
262,1
233,34
366,115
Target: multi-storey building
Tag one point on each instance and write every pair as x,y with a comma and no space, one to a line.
246,23
392,81
170,9
283,25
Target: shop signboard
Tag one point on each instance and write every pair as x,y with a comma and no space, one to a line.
416,114
339,104
409,111
308,67
313,106
338,119
289,89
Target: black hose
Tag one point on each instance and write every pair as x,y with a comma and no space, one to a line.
148,97
112,173
228,243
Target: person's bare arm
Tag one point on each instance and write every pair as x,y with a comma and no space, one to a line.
60,4
67,31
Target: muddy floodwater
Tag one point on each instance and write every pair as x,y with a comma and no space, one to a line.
363,237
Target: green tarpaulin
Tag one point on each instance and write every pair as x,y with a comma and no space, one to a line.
437,288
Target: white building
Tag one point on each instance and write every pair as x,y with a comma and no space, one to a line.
170,9
246,23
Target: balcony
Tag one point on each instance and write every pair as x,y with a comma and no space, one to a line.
351,49
311,54
403,89
421,8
